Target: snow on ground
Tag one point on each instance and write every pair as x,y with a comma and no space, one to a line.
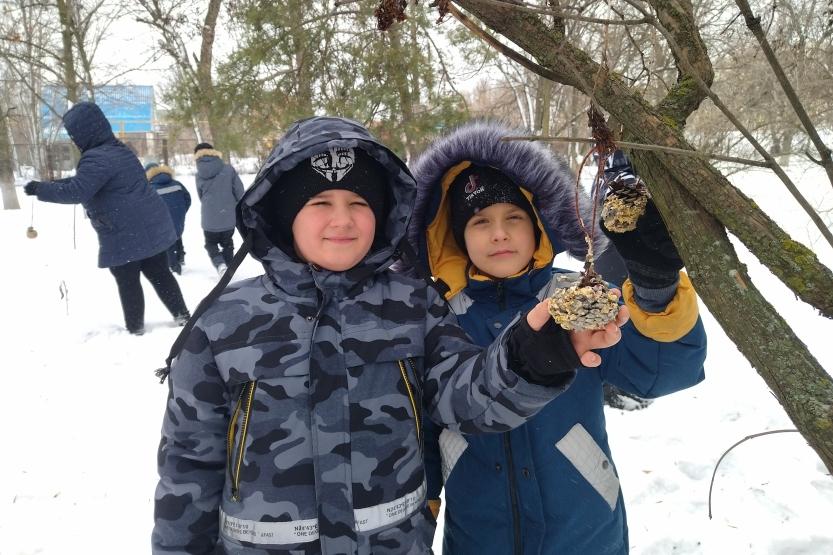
84,409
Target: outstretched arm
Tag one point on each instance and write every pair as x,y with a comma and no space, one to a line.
471,390
92,174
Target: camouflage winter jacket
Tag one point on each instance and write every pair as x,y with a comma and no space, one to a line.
293,421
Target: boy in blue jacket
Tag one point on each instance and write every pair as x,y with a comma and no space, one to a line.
178,200
489,218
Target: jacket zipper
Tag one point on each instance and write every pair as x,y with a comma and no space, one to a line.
248,394
411,397
501,296
513,493
415,376
232,429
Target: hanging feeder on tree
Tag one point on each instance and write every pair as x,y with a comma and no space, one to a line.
625,203
589,304
31,232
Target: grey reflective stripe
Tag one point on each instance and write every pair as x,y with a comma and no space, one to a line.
460,303
294,531
169,189
390,512
582,450
301,531
452,444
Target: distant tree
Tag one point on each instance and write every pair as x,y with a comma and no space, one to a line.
193,96
7,189
52,44
296,58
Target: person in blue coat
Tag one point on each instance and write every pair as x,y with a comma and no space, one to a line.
178,200
133,226
489,217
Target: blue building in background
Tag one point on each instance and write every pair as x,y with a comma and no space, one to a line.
130,109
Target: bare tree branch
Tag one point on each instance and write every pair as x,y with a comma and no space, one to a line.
754,25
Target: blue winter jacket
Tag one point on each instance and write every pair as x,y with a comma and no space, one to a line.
549,486
176,196
130,219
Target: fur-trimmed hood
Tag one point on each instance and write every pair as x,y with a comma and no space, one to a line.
157,170
207,152
531,165
209,163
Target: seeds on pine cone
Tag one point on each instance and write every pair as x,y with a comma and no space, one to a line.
584,307
623,206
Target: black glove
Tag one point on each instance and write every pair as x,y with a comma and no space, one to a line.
31,188
649,253
544,357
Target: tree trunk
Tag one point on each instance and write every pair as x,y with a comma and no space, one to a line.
799,382
398,73
65,16
543,101
697,202
10,201
211,128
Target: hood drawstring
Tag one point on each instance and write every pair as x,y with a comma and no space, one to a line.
176,348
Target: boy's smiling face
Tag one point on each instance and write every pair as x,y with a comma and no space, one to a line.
500,240
334,230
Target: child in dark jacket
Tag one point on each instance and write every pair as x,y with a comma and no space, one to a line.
489,217
293,423
219,189
178,200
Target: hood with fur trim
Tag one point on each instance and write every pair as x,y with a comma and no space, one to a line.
535,168
152,172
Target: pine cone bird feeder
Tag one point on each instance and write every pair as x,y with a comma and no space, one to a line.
589,304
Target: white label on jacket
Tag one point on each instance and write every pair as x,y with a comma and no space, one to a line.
300,531
585,454
452,445
390,512
294,531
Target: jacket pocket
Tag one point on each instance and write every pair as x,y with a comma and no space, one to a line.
102,222
237,433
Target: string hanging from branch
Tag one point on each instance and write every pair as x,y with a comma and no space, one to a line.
589,304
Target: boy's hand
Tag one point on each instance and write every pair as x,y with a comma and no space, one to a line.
583,341
649,252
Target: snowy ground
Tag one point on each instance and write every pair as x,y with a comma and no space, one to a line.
84,410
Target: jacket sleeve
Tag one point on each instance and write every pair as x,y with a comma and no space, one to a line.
187,197
659,353
433,460
92,173
192,454
472,390
237,185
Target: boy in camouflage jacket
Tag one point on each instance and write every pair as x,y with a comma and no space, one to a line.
293,420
